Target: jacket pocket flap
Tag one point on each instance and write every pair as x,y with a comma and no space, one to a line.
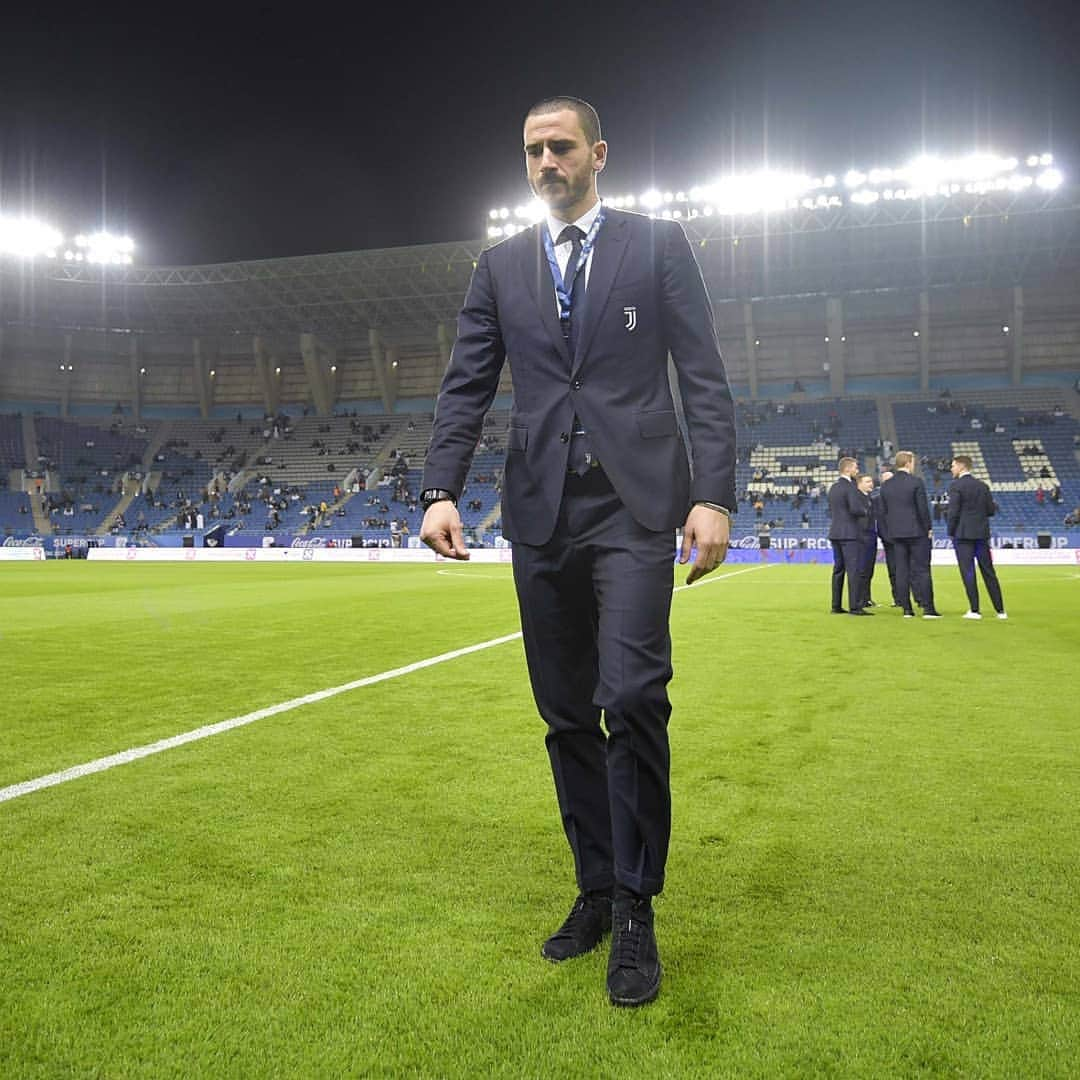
517,438
654,425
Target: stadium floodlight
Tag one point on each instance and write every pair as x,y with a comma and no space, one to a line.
105,248
1004,329
765,191
1049,180
28,237
929,176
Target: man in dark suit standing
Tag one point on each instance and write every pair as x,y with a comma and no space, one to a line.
970,508
864,483
886,540
848,518
587,306
906,512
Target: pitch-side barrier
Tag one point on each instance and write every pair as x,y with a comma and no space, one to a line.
945,557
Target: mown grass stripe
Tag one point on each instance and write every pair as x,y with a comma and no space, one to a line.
124,757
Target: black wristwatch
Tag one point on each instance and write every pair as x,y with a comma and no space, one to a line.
429,496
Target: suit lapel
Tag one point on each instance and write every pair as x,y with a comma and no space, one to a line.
607,255
537,274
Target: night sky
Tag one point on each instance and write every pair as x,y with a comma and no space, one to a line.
253,131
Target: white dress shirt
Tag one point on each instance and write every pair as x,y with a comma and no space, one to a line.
562,251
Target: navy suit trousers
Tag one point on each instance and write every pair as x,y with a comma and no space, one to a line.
846,562
595,602
968,553
913,573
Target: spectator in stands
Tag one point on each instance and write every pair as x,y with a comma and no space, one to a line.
970,509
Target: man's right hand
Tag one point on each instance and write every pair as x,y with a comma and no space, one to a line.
441,530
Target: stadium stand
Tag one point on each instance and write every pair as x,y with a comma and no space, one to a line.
347,476
787,458
12,455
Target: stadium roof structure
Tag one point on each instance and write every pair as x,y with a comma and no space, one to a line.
982,238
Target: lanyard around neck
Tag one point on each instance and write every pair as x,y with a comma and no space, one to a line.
564,285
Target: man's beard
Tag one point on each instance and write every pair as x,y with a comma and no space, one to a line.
562,193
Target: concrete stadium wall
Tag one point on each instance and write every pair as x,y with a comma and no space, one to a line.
965,337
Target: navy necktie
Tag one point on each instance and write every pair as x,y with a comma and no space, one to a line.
580,458
577,287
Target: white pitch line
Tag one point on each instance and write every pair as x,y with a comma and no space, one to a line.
88,768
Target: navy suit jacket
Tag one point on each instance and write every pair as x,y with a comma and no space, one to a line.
970,508
849,511
905,507
645,298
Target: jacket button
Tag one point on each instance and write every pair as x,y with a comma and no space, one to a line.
564,437
576,384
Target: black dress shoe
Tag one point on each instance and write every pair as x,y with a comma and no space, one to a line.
838,611
633,975
861,611
589,920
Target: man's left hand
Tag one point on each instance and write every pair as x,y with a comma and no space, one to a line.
708,531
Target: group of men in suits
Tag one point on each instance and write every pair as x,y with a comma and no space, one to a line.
586,307
898,513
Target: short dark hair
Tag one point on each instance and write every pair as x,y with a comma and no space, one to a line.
963,461
586,114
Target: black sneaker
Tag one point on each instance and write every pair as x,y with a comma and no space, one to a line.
633,976
589,920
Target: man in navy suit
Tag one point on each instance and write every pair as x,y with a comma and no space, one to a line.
864,483
970,508
586,307
849,516
906,513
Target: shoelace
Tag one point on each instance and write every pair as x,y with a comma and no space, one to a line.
578,913
627,943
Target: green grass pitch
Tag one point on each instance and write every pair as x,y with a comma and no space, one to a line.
873,872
